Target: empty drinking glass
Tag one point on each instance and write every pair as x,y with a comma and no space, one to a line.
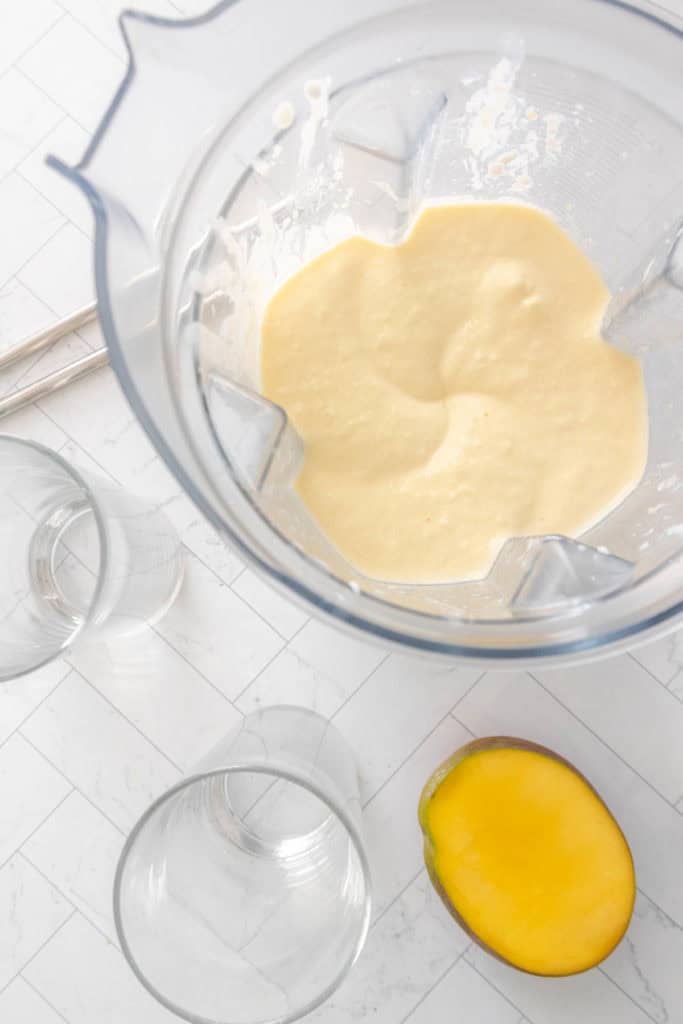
242,896
76,551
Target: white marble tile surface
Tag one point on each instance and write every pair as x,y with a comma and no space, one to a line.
31,911
100,17
394,840
384,724
21,1004
61,273
215,630
68,140
663,658
585,997
30,789
101,753
20,697
28,219
104,991
77,848
614,701
28,115
21,313
202,540
75,70
408,950
28,24
87,742
465,992
160,692
647,964
282,614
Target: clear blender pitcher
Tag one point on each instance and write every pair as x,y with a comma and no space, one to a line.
244,142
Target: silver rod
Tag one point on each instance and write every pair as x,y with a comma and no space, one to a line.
46,337
54,381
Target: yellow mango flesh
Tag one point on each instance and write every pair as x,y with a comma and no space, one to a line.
531,860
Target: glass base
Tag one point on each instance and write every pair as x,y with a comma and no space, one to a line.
64,558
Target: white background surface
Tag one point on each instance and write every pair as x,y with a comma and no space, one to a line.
86,744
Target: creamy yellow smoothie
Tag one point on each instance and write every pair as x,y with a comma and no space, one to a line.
454,391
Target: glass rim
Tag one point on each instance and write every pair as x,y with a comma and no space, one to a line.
53,456
239,767
458,638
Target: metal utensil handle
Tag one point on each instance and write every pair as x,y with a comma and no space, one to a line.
54,381
46,337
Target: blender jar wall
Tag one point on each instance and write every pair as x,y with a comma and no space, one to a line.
605,85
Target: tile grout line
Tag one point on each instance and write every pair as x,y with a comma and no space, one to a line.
47,199
127,719
467,692
247,605
34,407
462,725
523,1016
68,16
67,219
14,168
605,744
75,788
360,685
20,56
437,982
394,900
665,686
19,849
52,885
40,949
86,28
33,710
405,761
68,899
239,575
448,714
40,995
260,672
18,270
194,667
39,356
34,360
38,298
626,994
665,913
256,611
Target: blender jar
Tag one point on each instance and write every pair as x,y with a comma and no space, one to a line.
243,142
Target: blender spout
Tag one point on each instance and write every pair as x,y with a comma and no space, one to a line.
647,312
177,90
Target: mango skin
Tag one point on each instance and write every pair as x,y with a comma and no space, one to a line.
441,773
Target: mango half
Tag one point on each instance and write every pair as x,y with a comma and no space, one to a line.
527,857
